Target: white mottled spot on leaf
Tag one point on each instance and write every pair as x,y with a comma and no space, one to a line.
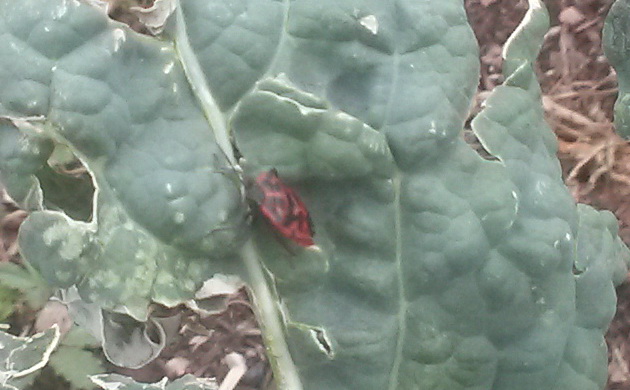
51,235
194,269
179,218
63,275
72,246
164,278
189,285
110,279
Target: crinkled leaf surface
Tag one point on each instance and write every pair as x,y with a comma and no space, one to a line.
438,269
167,212
455,272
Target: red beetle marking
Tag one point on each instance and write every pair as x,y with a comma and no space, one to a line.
283,209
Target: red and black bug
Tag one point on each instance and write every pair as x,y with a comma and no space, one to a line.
282,207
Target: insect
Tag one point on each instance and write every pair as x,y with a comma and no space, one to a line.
282,207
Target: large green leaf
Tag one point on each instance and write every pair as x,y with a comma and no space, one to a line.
165,202
457,272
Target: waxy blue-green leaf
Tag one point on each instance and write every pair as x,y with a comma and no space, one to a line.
310,139
166,210
455,272
22,158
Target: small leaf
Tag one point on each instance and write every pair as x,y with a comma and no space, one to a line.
76,365
129,343
8,298
80,338
27,280
20,356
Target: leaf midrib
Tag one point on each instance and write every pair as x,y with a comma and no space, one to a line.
197,80
402,311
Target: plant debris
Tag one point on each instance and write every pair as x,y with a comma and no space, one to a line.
206,346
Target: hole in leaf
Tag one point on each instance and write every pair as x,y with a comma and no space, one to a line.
577,271
471,139
320,336
122,12
67,185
